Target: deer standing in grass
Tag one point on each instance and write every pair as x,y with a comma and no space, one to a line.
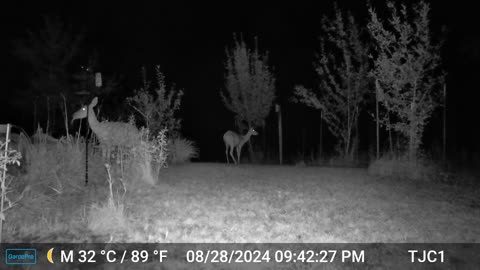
236,141
109,134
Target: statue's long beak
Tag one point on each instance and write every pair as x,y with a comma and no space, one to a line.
74,117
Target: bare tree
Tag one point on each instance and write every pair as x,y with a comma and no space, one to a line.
342,67
249,84
407,70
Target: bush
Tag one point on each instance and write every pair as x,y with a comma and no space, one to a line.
181,150
19,142
157,104
401,167
147,158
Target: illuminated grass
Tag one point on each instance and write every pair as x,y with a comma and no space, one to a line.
221,203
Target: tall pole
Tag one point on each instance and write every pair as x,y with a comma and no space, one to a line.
86,152
264,140
377,86
98,84
4,171
444,124
280,137
320,145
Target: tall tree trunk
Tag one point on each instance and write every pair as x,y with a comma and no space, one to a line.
65,115
412,144
390,137
250,151
412,140
356,139
54,116
48,115
349,144
280,132
304,139
34,114
377,86
352,155
250,147
444,143
264,140
320,144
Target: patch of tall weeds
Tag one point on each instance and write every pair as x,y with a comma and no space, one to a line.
59,167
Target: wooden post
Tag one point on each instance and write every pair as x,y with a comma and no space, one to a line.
34,114
264,141
98,84
377,86
86,151
320,145
4,170
304,139
444,156
48,115
280,137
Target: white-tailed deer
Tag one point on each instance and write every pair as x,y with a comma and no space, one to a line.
109,134
236,141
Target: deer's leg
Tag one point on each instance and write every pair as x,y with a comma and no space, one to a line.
239,152
226,153
231,154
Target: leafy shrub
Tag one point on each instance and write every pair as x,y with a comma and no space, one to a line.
12,157
158,104
148,157
181,150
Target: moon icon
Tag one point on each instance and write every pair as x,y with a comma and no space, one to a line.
49,255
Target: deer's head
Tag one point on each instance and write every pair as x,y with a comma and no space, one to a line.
82,113
252,131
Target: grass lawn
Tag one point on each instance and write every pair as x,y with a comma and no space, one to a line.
213,202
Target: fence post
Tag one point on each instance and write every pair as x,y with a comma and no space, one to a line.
4,129
280,137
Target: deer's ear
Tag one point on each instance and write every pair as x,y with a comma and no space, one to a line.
94,102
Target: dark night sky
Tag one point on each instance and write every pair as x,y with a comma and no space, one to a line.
189,40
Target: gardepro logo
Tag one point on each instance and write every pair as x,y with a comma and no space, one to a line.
20,256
